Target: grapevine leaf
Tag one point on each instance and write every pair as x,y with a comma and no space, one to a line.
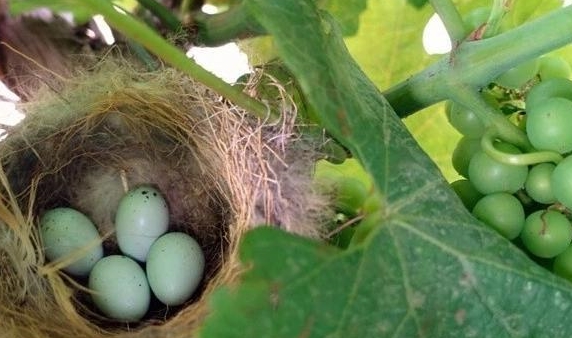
429,269
346,12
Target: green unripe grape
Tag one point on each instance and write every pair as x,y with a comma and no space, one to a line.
518,76
546,233
551,66
465,150
538,183
549,125
502,212
562,265
464,120
373,203
467,193
350,195
490,176
557,87
561,182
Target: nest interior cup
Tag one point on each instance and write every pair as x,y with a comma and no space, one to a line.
87,140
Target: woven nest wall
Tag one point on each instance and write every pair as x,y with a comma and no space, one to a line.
86,140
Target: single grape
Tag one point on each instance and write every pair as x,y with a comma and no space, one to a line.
546,233
518,76
502,212
557,87
467,193
561,182
549,123
462,154
464,120
350,194
490,176
374,202
562,265
538,185
552,66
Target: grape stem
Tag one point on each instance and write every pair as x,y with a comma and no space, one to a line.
163,13
498,11
492,118
347,224
451,19
475,64
487,144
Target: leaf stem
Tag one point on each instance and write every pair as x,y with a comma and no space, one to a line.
165,15
451,19
236,22
147,37
487,144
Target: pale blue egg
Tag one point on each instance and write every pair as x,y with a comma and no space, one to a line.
119,288
175,267
142,216
67,233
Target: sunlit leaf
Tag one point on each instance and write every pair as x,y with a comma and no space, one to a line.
346,12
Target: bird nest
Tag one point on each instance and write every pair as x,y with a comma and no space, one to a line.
88,139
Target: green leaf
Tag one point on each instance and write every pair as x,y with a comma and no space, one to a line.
436,136
428,269
407,281
346,12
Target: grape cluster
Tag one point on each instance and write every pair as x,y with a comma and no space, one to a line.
524,194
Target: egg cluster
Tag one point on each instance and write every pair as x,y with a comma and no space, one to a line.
153,261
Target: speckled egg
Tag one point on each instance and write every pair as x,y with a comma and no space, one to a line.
119,288
142,216
175,266
67,233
